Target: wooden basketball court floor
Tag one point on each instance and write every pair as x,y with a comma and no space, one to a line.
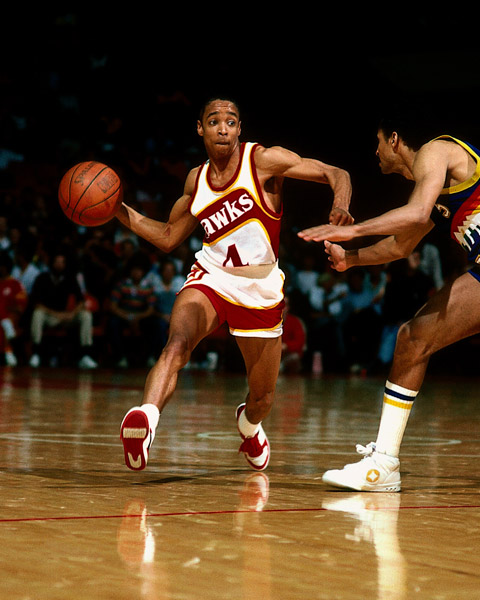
197,524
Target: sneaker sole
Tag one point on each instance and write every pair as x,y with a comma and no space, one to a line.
134,433
394,486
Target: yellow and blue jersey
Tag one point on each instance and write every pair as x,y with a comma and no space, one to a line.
457,209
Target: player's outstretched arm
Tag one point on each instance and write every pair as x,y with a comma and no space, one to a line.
165,236
280,162
429,172
401,220
386,250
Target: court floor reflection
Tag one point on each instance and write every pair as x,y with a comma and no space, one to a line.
197,523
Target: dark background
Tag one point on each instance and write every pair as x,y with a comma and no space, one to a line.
312,80
123,85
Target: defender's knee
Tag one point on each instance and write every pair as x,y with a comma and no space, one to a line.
412,347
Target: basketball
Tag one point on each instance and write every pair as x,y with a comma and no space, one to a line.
90,193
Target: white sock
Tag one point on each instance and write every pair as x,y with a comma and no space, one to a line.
246,428
397,405
152,413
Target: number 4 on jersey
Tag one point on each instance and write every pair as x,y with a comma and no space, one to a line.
234,256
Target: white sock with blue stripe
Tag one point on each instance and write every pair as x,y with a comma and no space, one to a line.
397,405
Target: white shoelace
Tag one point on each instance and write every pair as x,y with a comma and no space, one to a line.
367,450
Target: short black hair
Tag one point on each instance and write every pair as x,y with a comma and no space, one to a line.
411,120
203,108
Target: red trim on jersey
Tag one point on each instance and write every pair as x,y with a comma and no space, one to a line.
241,317
258,187
195,189
235,175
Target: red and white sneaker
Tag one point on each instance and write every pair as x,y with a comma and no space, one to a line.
137,437
256,449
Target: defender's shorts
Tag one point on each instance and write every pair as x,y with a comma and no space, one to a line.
251,306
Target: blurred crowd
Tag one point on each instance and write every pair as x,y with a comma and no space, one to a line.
103,297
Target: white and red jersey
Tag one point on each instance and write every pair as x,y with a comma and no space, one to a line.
239,255
240,229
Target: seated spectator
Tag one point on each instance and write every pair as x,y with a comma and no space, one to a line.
324,324
57,301
124,251
307,275
166,286
99,264
24,268
132,313
361,323
13,301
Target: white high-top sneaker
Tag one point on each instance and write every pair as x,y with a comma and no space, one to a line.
376,472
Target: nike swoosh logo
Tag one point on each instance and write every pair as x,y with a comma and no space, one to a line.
135,464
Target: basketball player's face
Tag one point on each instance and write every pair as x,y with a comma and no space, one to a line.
385,153
220,128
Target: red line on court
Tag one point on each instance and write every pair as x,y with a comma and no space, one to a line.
222,512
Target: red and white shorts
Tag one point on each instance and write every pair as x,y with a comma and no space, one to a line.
251,303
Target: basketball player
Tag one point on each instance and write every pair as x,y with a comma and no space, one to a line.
446,176
236,196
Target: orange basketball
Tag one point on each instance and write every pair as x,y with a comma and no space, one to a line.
90,193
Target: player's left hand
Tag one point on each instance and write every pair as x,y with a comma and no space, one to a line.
340,216
337,256
333,233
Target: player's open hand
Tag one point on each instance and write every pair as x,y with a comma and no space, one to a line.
340,216
333,233
336,256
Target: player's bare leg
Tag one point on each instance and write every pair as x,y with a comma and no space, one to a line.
451,315
193,317
262,360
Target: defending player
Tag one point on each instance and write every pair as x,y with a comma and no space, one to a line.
236,196
446,172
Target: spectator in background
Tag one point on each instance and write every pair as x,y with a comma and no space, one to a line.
184,255
121,235
324,325
124,251
24,268
294,340
375,282
57,301
99,264
307,275
132,313
13,301
163,276
407,290
361,322
4,233
431,264
166,286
